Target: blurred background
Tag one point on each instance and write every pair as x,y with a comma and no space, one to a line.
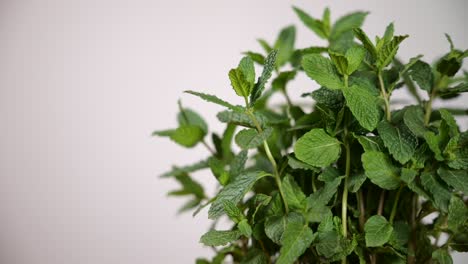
84,83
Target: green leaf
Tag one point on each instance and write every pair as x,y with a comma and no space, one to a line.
264,77
240,118
219,238
354,56
246,66
266,47
332,99
380,170
414,120
296,164
388,51
285,45
378,231
237,164
346,23
368,45
292,193
250,138
433,141
255,256
340,62
213,99
239,82
442,256
187,135
245,228
364,106
189,186
450,121
399,140
234,192
321,70
256,57
232,211
190,117
279,83
356,181
421,73
400,236
322,197
296,238
276,225
441,196
186,169
317,148
458,179
457,213
388,35
370,143
313,24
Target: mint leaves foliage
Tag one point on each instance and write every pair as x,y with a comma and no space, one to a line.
342,175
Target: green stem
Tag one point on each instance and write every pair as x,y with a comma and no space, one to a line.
381,203
395,205
344,202
270,158
428,110
385,96
362,210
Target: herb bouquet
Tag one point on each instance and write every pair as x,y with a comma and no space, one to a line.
346,179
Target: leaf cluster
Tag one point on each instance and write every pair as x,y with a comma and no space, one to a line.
346,178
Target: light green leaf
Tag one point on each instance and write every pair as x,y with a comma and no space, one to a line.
270,63
364,106
356,181
421,73
380,170
441,196
321,70
354,56
388,51
239,83
292,193
186,169
240,118
370,143
246,66
317,148
368,45
234,192
189,187
275,225
313,24
245,228
414,120
347,23
340,62
401,143
256,57
388,35
457,213
213,99
250,138
458,179
190,117
296,238
377,231
266,47
442,256
219,238
285,45
232,211
187,135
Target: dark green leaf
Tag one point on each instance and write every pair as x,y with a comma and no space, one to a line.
458,179
421,73
442,256
244,228
275,225
264,77
414,120
232,211
457,213
401,143
293,194
441,196
388,51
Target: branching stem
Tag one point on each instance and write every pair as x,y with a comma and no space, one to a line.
385,96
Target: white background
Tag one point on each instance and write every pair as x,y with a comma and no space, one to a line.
84,83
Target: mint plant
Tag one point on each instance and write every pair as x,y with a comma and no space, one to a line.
349,178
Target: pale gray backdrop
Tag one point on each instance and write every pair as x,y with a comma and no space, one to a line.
84,83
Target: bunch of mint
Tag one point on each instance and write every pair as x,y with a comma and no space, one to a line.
351,180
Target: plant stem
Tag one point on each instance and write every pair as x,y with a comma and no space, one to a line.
344,203
270,158
412,242
362,210
385,96
395,204
381,203
208,147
